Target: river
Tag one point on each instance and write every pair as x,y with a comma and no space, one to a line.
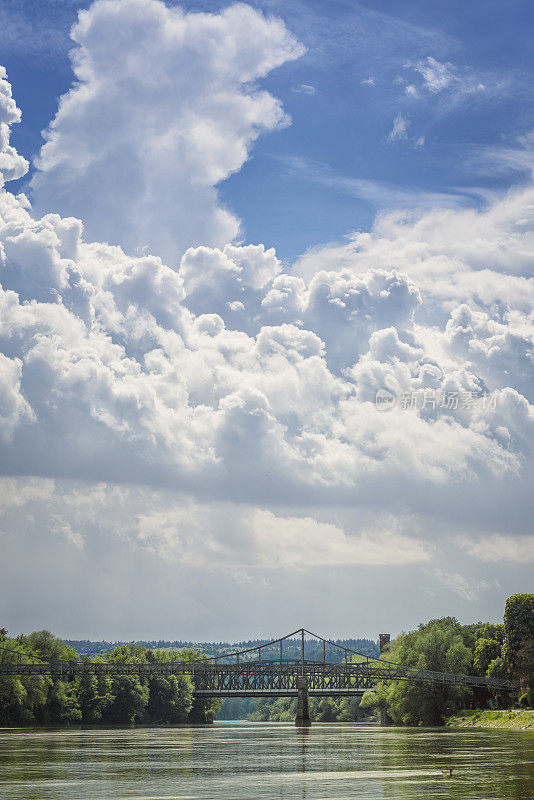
265,761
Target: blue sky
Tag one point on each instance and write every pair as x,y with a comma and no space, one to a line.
328,172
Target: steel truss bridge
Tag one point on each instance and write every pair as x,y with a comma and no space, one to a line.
254,672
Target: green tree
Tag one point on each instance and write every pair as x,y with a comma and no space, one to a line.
262,711
525,670
437,646
280,710
62,704
236,708
13,702
372,701
130,698
22,699
481,630
89,699
170,699
350,710
486,651
155,699
496,668
519,629
49,648
94,693
129,693
324,709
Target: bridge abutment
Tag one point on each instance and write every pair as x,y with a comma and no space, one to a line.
302,720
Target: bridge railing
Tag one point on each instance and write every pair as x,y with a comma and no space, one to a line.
358,672
398,672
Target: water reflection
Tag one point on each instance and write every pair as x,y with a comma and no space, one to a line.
267,761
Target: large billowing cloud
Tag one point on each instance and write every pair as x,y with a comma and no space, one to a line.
111,375
231,375
223,409
165,107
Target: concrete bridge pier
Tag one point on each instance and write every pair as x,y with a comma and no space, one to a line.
302,720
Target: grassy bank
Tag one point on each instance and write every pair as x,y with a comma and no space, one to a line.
511,719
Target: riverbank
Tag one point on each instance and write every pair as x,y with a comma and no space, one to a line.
510,719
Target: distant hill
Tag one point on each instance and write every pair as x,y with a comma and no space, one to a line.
313,650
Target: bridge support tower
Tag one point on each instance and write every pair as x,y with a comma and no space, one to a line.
302,720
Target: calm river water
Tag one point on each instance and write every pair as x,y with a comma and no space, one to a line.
268,761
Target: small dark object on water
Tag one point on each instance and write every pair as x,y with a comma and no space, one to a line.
446,773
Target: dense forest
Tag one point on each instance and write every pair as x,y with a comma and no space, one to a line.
444,645
313,648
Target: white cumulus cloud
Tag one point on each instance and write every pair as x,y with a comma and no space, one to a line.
165,106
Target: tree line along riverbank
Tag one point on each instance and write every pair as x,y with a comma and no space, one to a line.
444,645
490,650
97,699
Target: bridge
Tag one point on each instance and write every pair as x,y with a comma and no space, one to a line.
254,672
